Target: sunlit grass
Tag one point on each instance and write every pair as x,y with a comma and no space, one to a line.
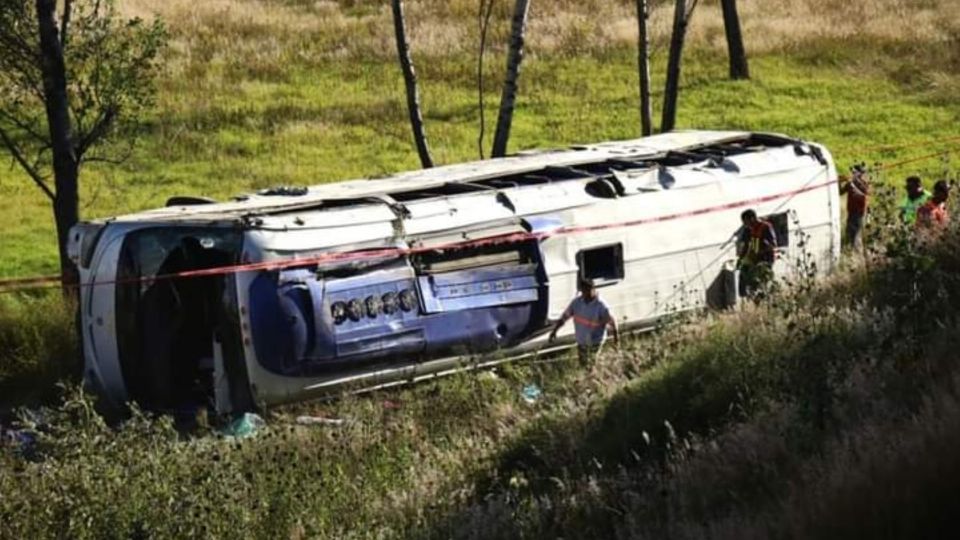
348,121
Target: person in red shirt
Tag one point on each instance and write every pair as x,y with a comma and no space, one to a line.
756,251
856,189
933,214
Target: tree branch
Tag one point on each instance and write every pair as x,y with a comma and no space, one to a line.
31,171
99,129
124,156
24,126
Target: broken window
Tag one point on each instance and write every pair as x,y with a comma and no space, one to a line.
166,333
601,188
444,190
781,226
603,264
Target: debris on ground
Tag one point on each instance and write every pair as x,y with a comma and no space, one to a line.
531,393
391,405
244,426
22,441
305,420
490,375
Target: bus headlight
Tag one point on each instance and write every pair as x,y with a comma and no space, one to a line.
408,299
373,305
355,309
390,303
339,312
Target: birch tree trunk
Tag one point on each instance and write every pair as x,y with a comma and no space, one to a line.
681,18
509,95
483,16
738,54
410,81
643,68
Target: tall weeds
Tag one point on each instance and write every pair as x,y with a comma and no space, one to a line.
38,345
816,415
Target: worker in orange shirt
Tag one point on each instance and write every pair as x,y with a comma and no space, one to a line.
933,214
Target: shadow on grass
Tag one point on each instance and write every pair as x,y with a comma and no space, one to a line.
777,422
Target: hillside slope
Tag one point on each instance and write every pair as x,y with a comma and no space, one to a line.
830,410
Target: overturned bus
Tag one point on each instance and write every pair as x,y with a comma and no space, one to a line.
289,294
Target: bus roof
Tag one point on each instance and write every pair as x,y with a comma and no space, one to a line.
461,174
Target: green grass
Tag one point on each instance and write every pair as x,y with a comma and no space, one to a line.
228,131
781,418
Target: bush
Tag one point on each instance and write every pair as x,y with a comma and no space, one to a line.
38,346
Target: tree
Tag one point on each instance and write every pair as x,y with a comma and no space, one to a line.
410,81
509,95
738,55
683,10
71,78
483,19
643,68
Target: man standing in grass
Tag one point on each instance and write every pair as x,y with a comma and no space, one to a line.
591,318
856,189
916,197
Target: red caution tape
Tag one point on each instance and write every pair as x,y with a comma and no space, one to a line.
39,282
381,253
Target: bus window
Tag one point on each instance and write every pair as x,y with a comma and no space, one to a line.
603,264
781,226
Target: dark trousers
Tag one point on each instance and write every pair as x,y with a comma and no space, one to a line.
753,276
587,353
854,228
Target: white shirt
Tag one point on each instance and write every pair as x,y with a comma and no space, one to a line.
589,320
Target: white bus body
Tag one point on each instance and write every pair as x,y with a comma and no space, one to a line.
434,269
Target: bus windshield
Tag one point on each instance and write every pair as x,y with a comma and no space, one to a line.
167,324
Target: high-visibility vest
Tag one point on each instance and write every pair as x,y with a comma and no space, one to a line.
909,207
756,250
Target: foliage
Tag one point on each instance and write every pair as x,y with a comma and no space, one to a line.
111,64
772,421
38,346
823,414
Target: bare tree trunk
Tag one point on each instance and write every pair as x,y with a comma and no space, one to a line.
681,18
486,10
509,96
65,166
410,80
738,55
643,67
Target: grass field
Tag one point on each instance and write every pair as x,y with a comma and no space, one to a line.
264,93
830,414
